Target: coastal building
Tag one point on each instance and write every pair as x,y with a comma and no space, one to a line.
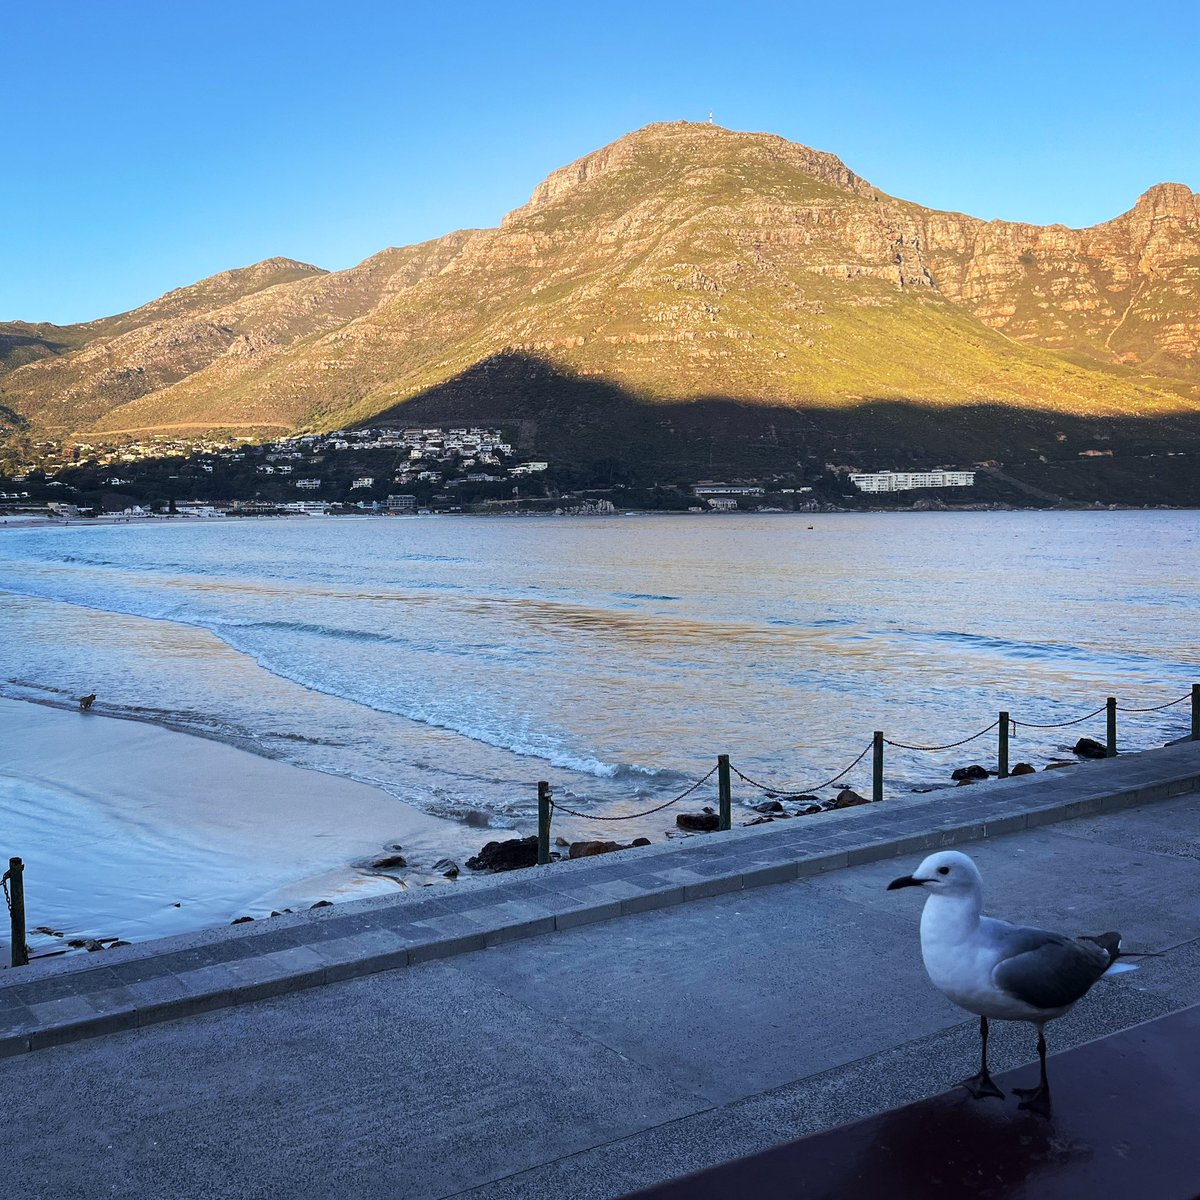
401,504
727,489
309,508
197,508
308,485
363,481
905,481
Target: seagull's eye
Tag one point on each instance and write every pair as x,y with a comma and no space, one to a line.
943,870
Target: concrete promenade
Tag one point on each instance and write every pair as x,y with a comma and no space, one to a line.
579,1030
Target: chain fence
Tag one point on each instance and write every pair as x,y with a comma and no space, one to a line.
803,791
634,816
775,791
1061,724
1156,707
948,746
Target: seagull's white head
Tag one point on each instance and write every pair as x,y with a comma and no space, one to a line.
948,872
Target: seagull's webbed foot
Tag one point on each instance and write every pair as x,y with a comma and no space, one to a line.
981,1086
1035,1099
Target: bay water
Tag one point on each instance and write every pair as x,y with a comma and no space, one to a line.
454,662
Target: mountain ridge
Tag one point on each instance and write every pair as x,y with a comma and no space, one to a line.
679,262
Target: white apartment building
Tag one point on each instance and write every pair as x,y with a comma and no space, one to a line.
308,485
904,481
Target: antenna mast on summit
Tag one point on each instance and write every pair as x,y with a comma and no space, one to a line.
710,120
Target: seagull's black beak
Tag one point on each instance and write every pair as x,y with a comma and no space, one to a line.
904,881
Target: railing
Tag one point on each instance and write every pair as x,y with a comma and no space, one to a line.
1005,725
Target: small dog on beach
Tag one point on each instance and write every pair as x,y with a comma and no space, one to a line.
86,702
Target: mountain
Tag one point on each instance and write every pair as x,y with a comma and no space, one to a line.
681,267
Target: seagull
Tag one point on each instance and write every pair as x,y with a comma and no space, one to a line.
994,969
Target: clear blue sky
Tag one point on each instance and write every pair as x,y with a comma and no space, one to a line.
150,143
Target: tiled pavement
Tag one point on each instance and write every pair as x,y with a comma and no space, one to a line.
63,1000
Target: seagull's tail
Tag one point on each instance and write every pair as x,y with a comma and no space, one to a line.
1110,943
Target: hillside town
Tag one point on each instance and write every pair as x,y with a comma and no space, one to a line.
397,471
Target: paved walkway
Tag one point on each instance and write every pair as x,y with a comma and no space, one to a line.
609,1056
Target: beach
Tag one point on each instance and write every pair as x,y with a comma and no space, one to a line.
131,830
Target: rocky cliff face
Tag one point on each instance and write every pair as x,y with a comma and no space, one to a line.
681,262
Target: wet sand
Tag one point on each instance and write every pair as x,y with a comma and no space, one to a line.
131,830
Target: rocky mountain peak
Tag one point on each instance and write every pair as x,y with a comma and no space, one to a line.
666,150
1170,200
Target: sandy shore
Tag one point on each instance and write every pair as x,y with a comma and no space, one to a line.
133,831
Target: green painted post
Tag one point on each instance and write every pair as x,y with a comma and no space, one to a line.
724,793
877,767
16,891
1196,712
1111,705
1002,763
543,823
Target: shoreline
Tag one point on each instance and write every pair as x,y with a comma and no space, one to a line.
132,829
15,524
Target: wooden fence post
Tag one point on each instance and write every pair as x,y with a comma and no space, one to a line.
724,793
1196,712
16,903
1002,756
543,823
877,767
1111,705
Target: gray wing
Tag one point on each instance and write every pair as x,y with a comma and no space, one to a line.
1046,970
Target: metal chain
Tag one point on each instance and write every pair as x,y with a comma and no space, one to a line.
1063,724
783,791
4,885
633,816
948,746
1157,707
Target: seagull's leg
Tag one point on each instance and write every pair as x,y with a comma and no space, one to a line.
982,1085
1037,1099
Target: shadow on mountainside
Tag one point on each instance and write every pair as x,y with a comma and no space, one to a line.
582,422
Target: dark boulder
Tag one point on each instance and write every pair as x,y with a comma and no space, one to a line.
848,798
1023,769
240,920
768,806
701,822
804,798
1057,766
447,867
591,849
973,772
506,856
1089,748
807,810
388,862
322,904
759,821
640,842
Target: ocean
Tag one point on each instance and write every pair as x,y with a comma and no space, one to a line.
455,662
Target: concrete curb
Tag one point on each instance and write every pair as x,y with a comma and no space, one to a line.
65,1000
